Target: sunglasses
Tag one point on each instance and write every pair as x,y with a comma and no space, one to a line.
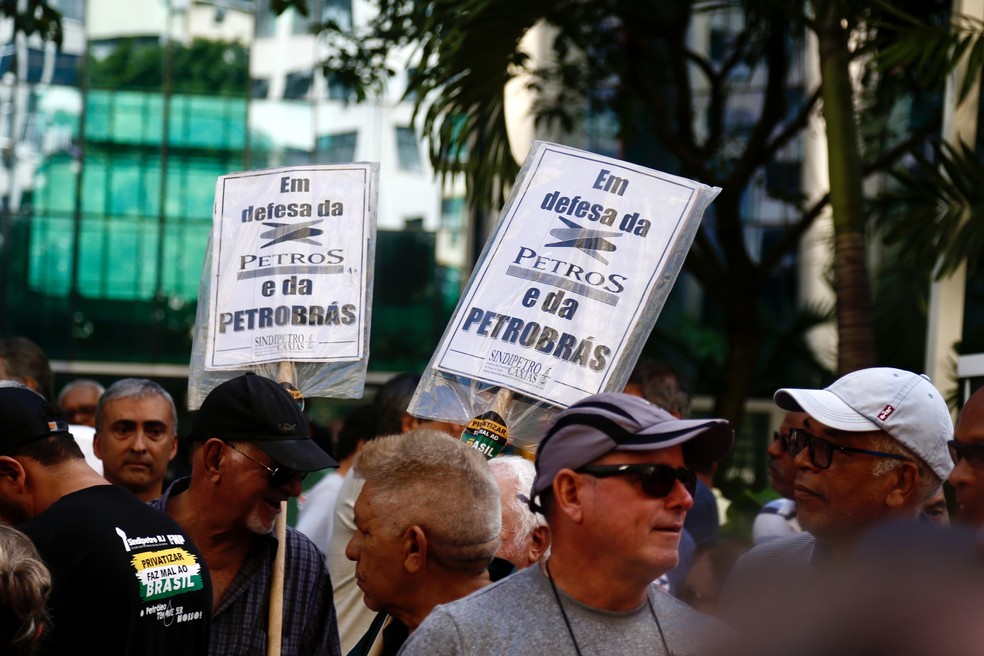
822,452
972,453
657,480
279,475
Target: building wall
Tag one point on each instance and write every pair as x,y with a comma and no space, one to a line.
107,202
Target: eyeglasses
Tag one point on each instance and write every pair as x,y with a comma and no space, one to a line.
783,440
822,452
657,480
278,476
82,411
972,453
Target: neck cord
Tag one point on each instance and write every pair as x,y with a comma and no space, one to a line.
553,586
567,622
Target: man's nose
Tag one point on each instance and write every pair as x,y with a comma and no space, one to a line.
139,443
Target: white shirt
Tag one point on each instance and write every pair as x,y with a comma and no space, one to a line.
316,509
83,436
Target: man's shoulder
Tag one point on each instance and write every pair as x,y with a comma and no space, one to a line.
508,592
100,504
790,550
666,605
305,563
766,575
688,631
477,623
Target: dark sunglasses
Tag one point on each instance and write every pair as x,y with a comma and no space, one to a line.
657,480
279,475
822,452
972,453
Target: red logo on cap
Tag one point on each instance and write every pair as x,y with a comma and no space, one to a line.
886,412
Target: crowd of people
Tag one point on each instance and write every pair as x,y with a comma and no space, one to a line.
607,540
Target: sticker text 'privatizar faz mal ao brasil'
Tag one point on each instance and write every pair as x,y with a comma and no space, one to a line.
566,277
289,254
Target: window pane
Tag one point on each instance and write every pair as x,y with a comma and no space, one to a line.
408,149
336,148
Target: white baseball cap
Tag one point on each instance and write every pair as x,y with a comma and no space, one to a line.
905,405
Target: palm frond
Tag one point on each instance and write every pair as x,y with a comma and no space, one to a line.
942,220
933,51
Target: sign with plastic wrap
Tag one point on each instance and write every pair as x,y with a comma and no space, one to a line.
569,285
287,281
289,264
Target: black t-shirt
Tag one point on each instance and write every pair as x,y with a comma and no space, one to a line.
126,578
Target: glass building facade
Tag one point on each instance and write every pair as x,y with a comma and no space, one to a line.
110,152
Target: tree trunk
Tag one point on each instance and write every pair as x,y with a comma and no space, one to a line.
744,344
856,349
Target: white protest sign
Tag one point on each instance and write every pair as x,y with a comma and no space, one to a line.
566,278
289,266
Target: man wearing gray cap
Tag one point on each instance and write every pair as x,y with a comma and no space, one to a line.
612,482
873,448
252,450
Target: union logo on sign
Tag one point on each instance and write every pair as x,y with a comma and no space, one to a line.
585,240
282,232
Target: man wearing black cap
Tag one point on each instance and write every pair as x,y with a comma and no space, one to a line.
612,483
127,579
252,449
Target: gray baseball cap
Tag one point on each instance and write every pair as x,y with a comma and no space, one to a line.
611,421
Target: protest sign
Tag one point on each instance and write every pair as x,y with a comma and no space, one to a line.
569,285
287,279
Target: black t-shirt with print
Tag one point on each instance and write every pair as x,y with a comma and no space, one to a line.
126,578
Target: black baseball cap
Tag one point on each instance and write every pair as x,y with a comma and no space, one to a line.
256,409
26,417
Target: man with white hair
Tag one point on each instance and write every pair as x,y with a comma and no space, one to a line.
427,521
613,484
525,535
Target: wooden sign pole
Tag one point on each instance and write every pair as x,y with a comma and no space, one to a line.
275,619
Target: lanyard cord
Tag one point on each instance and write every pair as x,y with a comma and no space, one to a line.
570,631
553,586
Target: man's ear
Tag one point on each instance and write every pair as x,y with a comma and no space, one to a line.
567,494
97,445
539,543
408,422
414,549
904,479
13,476
174,447
212,455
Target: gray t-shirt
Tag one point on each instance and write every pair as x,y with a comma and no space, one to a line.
519,616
